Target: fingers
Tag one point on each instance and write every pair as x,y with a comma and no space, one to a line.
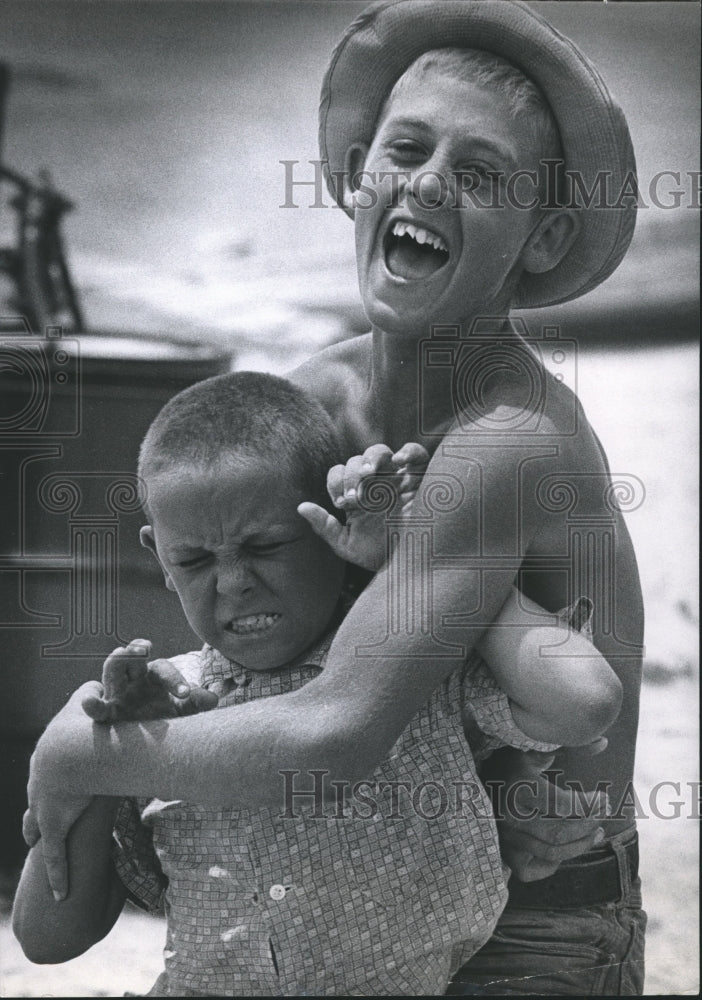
170,677
57,816
553,853
592,749
589,807
96,708
377,458
411,463
54,854
523,865
530,869
335,485
344,481
413,457
352,478
125,665
325,525
30,828
199,700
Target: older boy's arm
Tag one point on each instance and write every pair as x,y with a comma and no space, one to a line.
561,689
52,931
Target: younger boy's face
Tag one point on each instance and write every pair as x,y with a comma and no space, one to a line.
459,131
254,581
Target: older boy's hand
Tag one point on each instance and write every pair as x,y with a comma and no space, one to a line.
54,804
368,488
540,824
134,689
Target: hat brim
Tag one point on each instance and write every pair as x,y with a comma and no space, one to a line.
387,38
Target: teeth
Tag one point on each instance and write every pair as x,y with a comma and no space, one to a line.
253,623
420,235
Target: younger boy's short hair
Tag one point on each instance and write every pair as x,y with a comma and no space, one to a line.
523,96
244,415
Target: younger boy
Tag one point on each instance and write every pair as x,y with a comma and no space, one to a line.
383,890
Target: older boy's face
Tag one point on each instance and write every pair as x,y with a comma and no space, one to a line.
459,259
254,581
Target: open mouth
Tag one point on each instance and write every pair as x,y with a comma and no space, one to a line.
413,252
254,624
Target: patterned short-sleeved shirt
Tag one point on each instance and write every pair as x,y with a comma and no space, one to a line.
387,891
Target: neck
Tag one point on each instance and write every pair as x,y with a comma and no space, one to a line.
410,394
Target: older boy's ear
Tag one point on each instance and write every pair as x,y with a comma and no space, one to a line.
146,537
354,162
550,241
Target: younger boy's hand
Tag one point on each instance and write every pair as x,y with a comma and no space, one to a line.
368,488
134,689
50,821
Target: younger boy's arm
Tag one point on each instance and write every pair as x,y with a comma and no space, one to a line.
52,931
561,689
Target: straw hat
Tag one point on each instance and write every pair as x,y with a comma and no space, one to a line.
385,40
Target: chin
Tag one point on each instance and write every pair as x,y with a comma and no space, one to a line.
395,318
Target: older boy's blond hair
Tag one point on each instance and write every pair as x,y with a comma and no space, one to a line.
523,97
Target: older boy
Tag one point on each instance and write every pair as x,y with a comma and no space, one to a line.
501,427
376,895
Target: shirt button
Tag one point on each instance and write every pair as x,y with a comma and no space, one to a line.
277,892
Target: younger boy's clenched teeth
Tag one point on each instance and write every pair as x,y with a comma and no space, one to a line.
413,252
253,624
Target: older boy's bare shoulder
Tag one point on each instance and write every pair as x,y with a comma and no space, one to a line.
523,410
566,424
336,376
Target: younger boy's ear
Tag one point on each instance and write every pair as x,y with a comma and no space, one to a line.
550,241
353,168
146,537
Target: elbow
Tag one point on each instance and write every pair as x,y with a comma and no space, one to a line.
598,710
607,704
47,949
48,938
38,946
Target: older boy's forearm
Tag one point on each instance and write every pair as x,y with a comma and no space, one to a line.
232,756
52,931
340,724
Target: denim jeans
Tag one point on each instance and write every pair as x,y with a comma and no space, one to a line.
590,951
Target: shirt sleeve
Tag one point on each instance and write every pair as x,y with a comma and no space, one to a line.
135,860
487,717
